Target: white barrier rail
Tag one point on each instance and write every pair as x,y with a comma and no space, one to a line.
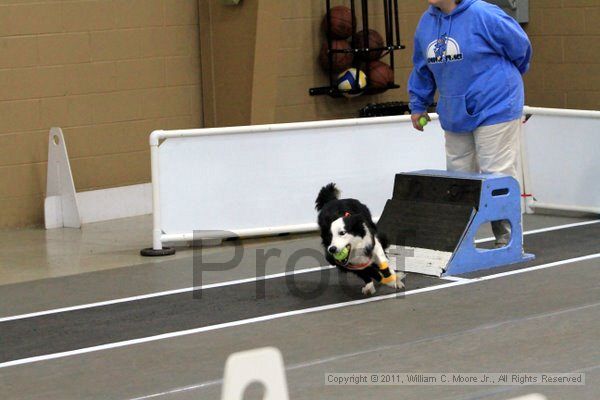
263,179
562,169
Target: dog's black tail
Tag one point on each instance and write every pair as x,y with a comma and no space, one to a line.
327,193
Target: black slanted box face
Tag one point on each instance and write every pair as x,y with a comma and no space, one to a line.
437,189
429,211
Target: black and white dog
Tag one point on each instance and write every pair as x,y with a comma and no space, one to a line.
351,242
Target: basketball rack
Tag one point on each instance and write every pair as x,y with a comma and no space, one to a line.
392,43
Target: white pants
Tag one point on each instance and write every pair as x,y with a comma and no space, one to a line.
488,149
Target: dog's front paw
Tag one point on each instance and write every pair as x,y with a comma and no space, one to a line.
369,289
394,280
400,280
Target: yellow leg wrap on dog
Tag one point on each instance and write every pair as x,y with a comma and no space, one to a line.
383,265
389,279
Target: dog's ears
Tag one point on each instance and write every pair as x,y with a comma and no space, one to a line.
355,224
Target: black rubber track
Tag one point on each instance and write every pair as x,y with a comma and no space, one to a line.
113,323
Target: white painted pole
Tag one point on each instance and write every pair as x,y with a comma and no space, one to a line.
185,237
527,201
300,228
156,231
273,128
560,112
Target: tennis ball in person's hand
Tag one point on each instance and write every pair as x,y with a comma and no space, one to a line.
342,254
423,121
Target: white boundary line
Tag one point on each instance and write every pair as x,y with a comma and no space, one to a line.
165,293
535,268
284,314
455,278
549,229
241,281
435,338
558,227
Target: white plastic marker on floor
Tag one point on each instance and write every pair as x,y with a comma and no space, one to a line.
170,335
245,280
264,365
534,396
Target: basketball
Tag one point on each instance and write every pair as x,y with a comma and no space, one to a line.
340,61
380,75
375,41
341,22
348,80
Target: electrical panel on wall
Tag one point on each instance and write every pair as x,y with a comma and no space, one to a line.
518,9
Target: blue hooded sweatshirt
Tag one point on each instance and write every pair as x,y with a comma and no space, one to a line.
475,57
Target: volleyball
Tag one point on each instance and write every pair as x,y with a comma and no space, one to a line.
348,81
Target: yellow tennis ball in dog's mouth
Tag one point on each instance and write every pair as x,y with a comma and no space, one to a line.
342,254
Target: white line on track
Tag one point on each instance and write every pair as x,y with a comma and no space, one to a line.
506,389
241,281
164,293
285,314
548,229
429,339
455,278
181,389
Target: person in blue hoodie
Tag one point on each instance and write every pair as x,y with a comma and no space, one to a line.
474,54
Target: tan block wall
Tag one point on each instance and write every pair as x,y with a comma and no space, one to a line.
108,72
228,39
111,71
239,49
301,40
566,62
565,69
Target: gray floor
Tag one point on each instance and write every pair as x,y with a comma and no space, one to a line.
55,277
539,321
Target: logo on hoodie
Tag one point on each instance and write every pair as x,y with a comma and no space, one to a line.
443,49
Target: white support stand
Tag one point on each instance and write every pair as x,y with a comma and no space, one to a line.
264,365
64,207
60,205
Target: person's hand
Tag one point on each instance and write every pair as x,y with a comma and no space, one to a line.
415,120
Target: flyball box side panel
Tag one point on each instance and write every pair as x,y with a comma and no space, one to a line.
430,211
425,224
